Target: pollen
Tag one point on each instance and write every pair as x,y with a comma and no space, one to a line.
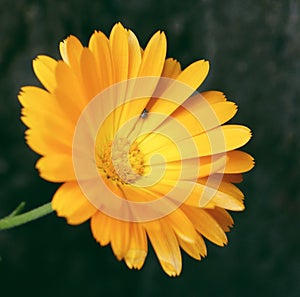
121,161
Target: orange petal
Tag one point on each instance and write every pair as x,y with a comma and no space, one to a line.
56,168
232,178
70,202
195,250
238,162
120,238
89,73
70,84
222,216
101,225
171,68
45,142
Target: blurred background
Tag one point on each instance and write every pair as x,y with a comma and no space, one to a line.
254,51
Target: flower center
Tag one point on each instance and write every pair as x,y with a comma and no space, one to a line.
121,162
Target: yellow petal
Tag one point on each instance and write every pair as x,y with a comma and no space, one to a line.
205,143
36,98
44,142
189,169
47,119
120,114
195,250
166,247
89,73
229,203
213,96
70,84
176,92
99,45
138,247
56,168
158,144
224,111
120,56
197,115
120,237
70,202
51,130
238,162
135,56
151,67
222,139
181,225
42,108
70,50
206,225
223,218
44,68
118,41
194,74
206,194
171,68
70,111
215,141
154,56
236,136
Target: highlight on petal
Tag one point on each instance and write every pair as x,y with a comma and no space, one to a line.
127,126
138,247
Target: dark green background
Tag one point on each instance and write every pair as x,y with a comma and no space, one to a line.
254,52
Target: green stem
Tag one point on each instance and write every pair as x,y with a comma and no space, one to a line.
18,210
15,219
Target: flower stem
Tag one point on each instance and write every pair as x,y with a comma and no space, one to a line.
15,219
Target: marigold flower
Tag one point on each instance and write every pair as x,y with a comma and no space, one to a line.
140,153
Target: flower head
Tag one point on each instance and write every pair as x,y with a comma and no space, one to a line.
140,153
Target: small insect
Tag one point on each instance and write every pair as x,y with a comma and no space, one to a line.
144,113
